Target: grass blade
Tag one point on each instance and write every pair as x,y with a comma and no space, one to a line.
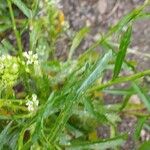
125,102
101,118
121,80
101,66
124,43
3,135
139,126
142,95
103,144
26,11
77,40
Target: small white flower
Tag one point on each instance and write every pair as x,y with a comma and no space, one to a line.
33,104
25,54
34,96
30,105
3,57
34,99
55,3
15,66
8,57
31,58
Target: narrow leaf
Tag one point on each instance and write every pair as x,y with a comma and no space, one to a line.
77,40
139,127
75,95
102,144
26,11
142,95
101,66
90,108
3,135
125,102
124,43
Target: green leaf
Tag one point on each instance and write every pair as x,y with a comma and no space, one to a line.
119,91
121,80
26,11
7,45
143,96
101,118
109,45
35,34
3,135
125,102
77,40
145,146
101,66
75,95
139,127
43,113
124,43
101,144
4,27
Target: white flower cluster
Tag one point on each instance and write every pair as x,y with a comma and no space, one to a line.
32,63
31,58
33,103
9,70
54,3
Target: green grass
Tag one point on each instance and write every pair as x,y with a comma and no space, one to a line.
46,103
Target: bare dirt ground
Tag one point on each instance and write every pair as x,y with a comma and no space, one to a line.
99,15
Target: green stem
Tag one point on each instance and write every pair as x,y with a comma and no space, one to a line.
120,80
18,38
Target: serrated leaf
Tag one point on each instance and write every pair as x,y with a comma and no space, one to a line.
124,43
26,11
77,40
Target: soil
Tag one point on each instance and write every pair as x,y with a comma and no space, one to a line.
100,15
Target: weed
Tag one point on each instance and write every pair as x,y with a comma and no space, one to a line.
46,103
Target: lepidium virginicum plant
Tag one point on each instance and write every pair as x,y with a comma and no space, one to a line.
46,103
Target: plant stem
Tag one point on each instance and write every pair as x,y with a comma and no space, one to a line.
18,38
120,80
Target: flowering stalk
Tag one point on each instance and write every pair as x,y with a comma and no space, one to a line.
18,38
